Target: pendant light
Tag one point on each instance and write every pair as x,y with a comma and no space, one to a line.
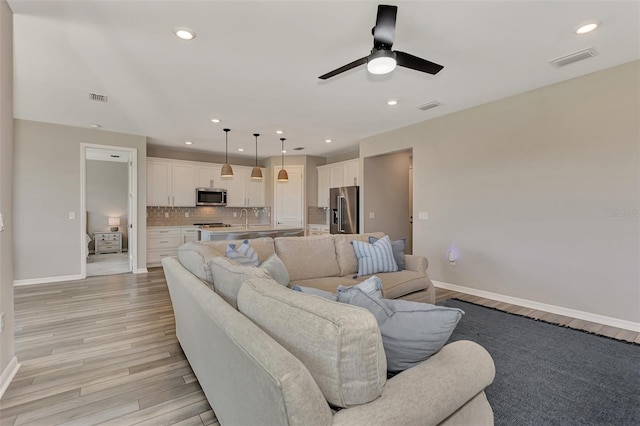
256,172
283,176
227,171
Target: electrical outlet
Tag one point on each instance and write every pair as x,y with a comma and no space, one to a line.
255,213
372,215
1,322
186,214
235,214
166,215
423,216
72,215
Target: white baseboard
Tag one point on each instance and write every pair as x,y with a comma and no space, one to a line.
140,271
559,310
47,280
8,374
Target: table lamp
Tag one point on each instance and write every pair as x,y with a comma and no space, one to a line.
114,222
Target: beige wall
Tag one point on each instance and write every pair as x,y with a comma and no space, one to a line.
539,193
6,178
386,179
47,187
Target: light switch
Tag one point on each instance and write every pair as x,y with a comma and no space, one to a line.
372,215
72,215
186,214
1,222
423,216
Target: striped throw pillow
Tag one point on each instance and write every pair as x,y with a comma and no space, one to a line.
244,254
376,257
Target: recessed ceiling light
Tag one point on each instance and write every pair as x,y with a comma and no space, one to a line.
279,132
392,102
95,126
240,149
188,143
587,27
215,120
328,140
184,33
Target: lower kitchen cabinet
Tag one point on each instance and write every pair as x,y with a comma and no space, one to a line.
164,242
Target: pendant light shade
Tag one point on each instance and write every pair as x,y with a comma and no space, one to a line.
256,172
227,171
283,176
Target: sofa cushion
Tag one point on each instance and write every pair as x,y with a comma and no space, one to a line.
339,344
398,250
329,284
228,276
401,283
276,269
315,292
244,254
308,257
347,260
375,258
411,331
197,259
263,246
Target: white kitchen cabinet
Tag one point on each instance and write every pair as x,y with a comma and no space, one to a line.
158,183
242,191
164,242
256,190
189,235
336,175
324,183
170,183
209,176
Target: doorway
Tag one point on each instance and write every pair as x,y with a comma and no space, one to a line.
108,204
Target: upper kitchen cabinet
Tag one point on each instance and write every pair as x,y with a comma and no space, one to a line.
242,191
170,183
208,176
336,175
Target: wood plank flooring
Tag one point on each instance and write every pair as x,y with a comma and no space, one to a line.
104,351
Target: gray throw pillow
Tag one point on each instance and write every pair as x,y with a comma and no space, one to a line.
275,267
398,250
316,292
411,331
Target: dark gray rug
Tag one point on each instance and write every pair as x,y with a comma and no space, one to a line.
552,375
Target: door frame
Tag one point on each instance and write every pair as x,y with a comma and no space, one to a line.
132,197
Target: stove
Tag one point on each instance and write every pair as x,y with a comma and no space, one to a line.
212,225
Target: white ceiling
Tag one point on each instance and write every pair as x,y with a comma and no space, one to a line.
255,65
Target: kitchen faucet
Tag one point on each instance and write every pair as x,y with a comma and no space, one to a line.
246,218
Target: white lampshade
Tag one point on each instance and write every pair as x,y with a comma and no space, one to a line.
114,221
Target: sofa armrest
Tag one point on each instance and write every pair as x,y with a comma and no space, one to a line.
416,263
430,392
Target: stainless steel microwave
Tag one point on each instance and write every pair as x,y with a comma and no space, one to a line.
211,197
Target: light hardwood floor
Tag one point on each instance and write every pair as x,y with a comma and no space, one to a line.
104,351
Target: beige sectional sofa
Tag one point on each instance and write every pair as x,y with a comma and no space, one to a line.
267,355
323,262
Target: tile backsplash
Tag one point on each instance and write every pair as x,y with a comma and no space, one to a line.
175,216
317,215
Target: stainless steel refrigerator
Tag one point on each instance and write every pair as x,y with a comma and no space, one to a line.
344,210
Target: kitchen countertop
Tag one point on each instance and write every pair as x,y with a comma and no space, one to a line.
252,228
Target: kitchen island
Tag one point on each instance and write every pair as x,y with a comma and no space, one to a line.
252,231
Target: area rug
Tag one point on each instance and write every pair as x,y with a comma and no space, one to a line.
552,375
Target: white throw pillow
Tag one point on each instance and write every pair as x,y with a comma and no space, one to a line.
275,267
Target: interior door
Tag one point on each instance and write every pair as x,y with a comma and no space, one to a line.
289,197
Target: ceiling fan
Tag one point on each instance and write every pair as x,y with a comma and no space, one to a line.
382,59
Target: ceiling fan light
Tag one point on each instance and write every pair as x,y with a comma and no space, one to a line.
383,62
283,176
256,173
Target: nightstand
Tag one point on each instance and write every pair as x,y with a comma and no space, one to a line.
108,242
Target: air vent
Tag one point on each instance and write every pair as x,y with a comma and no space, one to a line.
573,57
299,148
98,98
428,105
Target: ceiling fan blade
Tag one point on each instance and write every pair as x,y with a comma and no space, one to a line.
347,67
409,61
385,29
